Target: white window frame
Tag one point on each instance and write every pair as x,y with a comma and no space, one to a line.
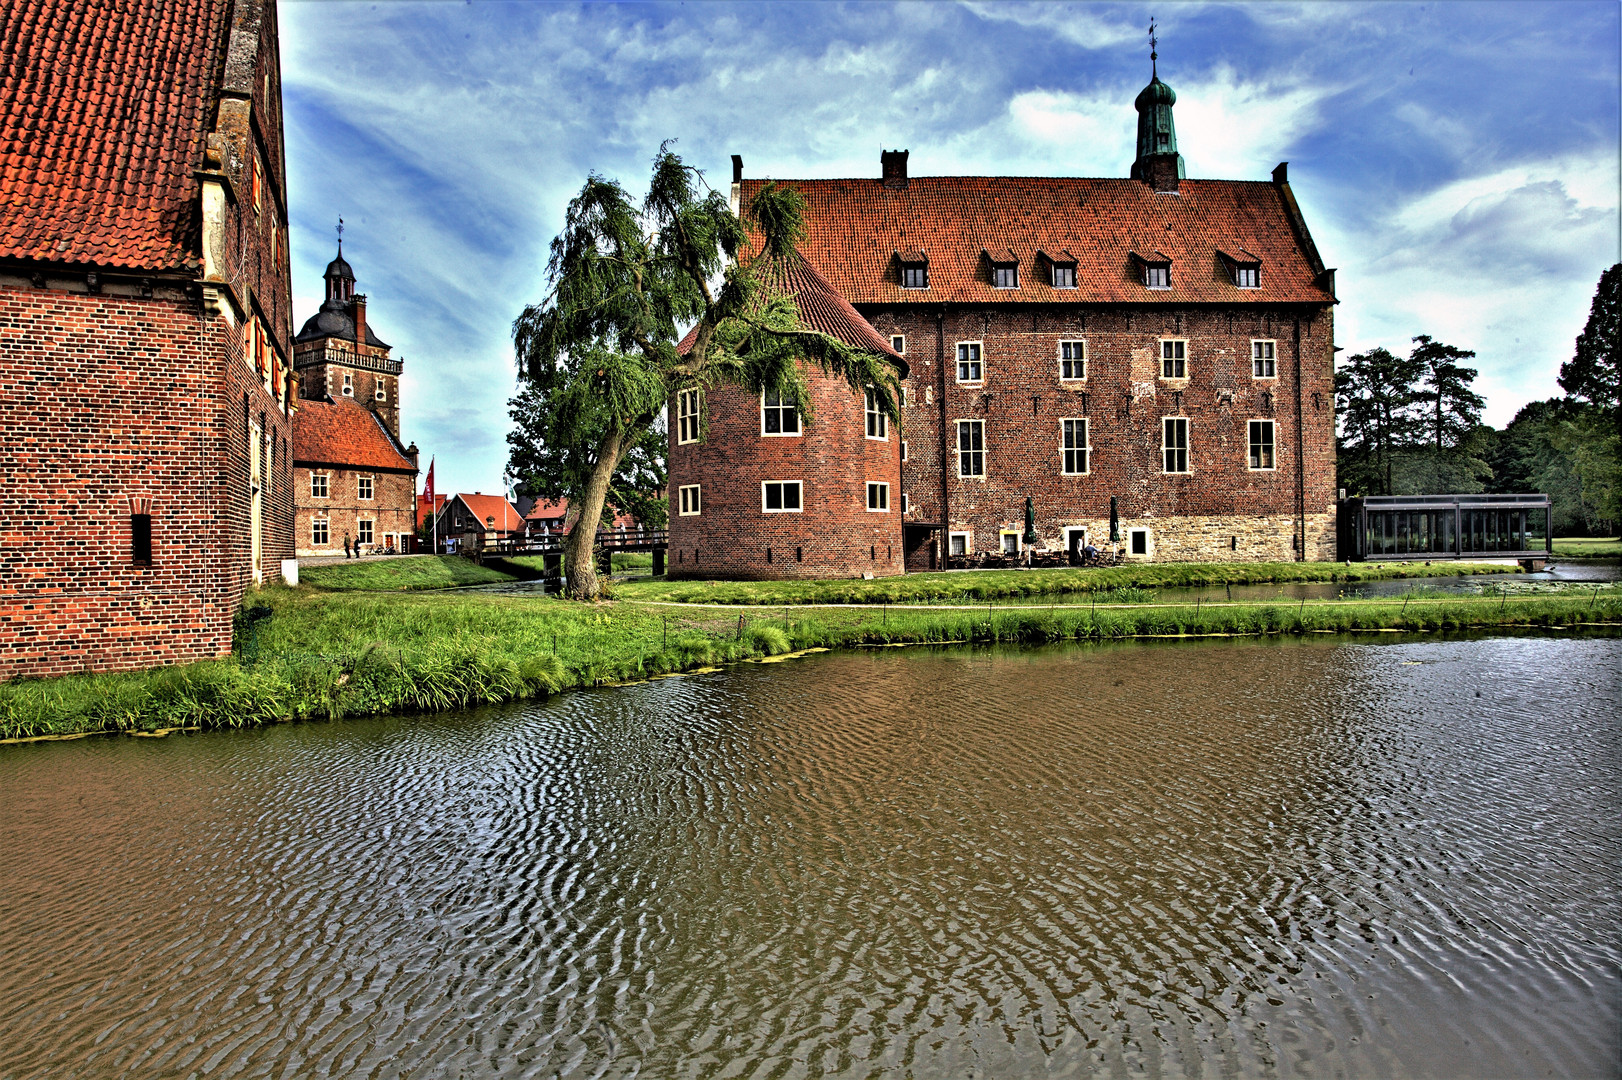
1085,449
979,425
1056,269
1148,551
1167,424
378,392
1002,542
901,397
365,488
906,503
689,500
785,485
1076,345
1240,272
920,268
1150,270
1271,444
1264,351
326,485
968,543
799,421
882,493
898,342
687,413
876,420
364,526
349,385
1001,267
971,355
903,449
324,540
1070,531
1177,348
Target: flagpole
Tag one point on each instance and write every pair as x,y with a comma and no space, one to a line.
433,516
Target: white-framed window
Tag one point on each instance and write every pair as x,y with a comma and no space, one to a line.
319,534
687,416
363,487
779,415
1005,275
1264,359
971,447
1157,275
1174,443
1173,358
898,342
906,503
903,449
1073,443
901,397
878,498
780,496
349,385
877,423
1072,360
1064,275
1261,444
1138,542
689,496
1009,540
1248,277
969,367
379,393
961,543
319,485
363,531
915,275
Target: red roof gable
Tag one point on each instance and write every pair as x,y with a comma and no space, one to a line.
343,433
485,507
103,108
855,228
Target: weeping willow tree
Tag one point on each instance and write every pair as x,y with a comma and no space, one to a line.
600,355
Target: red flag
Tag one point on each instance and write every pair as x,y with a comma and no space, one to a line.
428,485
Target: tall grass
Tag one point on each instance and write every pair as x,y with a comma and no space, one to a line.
326,656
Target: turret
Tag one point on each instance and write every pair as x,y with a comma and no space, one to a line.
1158,162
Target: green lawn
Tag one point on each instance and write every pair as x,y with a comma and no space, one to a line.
999,584
1583,547
408,572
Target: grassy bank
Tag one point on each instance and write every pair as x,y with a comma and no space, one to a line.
329,655
1583,547
416,573
1003,584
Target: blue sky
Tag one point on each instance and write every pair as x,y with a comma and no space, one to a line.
1457,162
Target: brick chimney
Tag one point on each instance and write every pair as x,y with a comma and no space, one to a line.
358,306
893,167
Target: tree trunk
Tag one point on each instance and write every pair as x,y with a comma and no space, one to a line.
577,548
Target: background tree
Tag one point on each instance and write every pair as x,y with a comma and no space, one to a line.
1594,373
1376,399
600,350
1454,409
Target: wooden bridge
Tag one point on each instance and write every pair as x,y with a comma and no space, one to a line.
609,541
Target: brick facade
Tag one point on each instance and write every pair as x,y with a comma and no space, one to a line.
391,510
834,535
145,354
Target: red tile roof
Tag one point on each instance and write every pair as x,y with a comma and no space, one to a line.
344,434
822,309
855,228
485,507
103,112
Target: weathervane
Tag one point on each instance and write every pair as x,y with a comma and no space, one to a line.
340,236
1154,71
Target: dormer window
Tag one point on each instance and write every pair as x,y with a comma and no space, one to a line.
1061,268
1004,268
1154,269
914,269
1244,269
1064,277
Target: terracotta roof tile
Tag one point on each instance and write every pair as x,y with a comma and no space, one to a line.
82,130
857,231
345,434
485,507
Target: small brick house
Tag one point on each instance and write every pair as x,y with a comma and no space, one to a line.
490,518
353,479
1152,351
146,387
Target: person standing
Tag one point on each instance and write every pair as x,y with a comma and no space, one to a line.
346,545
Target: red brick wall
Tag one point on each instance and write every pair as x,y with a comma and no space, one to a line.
1022,399
834,535
106,398
392,507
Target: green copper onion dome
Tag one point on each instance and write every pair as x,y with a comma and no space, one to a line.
1157,134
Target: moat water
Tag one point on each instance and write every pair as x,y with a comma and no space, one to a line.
1323,858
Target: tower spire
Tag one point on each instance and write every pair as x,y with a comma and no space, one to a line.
1158,161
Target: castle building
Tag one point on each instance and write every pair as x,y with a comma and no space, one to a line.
146,389
352,478
1148,359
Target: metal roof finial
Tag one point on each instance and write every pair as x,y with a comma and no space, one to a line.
1154,42
340,237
